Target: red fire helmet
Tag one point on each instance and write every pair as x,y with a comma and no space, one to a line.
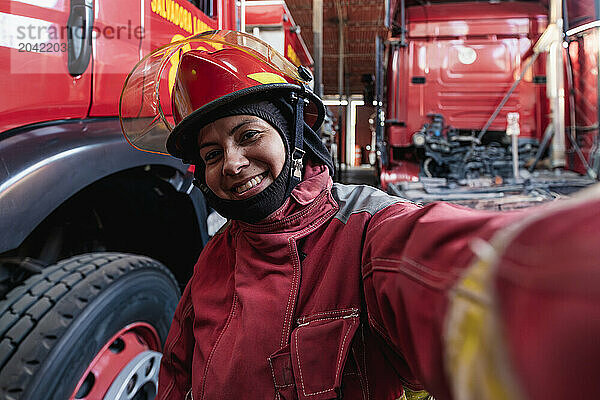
173,91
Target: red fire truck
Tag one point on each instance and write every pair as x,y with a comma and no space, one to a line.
462,77
81,317
96,238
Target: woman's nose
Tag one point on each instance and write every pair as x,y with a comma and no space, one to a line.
234,162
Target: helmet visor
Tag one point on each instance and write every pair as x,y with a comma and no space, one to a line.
145,109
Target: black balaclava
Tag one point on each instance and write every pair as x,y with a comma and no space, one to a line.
279,113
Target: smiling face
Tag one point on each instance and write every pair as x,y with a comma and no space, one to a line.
243,155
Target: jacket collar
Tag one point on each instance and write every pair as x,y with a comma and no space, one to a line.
316,179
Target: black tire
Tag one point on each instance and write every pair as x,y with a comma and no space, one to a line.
53,325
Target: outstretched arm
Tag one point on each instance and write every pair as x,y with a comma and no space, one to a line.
413,259
490,305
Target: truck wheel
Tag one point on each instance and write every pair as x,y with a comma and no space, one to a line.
89,327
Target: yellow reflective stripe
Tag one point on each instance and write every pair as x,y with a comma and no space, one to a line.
267,77
415,395
475,356
174,60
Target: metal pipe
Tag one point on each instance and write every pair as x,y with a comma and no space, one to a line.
220,13
583,28
515,156
555,88
318,45
545,140
382,157
242,15
513,130
340,79
402,23
388,18
340,49
596,155
347,131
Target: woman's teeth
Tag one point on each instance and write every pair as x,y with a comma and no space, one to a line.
250,184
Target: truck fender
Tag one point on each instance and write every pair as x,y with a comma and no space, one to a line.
43,165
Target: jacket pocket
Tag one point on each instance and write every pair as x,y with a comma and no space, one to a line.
283,376
319,348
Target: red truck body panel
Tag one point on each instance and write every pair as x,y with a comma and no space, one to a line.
275,16
269,14
113,54
583,51
37,86
116,57
459,62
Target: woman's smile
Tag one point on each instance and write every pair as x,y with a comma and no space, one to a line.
251,186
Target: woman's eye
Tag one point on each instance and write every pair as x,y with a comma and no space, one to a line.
211,155
249,135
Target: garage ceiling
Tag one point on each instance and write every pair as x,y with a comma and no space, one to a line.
363,21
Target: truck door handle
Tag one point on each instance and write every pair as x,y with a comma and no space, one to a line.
79,35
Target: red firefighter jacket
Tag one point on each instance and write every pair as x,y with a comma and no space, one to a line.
345,291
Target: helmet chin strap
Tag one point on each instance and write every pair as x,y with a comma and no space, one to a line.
297,153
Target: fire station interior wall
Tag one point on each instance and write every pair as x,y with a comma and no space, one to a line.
339,128
363,134
354,134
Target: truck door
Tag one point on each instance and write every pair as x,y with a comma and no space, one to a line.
45,50
168,21
118,34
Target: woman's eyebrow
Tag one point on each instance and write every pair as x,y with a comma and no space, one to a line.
207,144
241,124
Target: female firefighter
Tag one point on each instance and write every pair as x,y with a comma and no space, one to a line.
315,290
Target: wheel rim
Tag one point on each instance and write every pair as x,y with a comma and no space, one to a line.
125,368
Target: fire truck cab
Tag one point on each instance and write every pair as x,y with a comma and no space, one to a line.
96,238
476,94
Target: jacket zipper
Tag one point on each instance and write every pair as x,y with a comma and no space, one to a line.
353,315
